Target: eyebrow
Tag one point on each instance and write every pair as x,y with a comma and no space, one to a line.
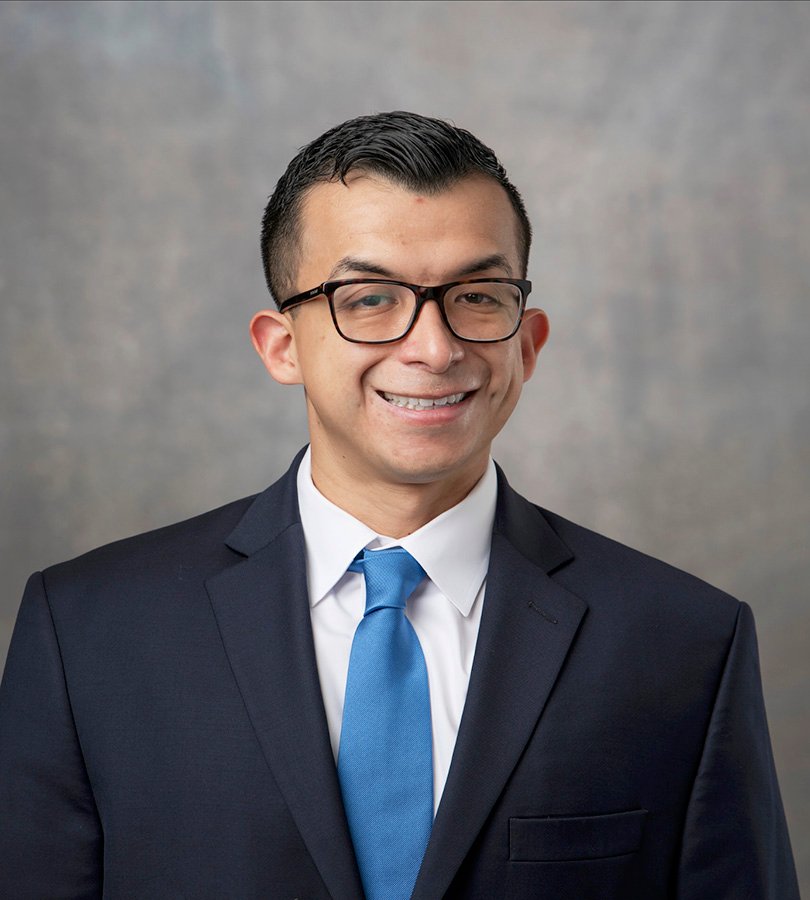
356,264
493,261
369,267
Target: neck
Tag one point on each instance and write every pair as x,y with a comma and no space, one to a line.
393,509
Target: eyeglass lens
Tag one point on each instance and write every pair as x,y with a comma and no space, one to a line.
382,312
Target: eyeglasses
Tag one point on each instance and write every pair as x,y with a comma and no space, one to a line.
379,311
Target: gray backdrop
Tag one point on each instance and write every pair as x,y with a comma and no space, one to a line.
664,155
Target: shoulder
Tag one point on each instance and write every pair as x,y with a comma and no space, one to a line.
623,588
169,566
593,565
195,544
625,583
611,559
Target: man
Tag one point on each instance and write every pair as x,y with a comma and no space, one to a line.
237,706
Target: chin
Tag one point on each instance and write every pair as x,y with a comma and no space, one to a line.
430,469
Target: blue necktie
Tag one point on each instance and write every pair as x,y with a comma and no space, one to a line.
385,761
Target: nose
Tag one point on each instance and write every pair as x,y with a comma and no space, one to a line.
430,342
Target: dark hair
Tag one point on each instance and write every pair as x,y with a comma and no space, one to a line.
417,152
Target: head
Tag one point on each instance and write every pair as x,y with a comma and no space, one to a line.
415,152
413,200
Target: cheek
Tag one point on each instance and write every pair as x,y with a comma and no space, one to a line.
335,376
507,374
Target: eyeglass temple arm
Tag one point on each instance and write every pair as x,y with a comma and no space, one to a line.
300,298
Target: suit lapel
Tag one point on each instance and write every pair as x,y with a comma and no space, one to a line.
527,627
262,610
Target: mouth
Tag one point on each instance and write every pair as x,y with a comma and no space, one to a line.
423,402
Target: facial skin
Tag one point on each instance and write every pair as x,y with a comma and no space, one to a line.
395,468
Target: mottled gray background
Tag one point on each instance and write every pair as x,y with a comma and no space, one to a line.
664,154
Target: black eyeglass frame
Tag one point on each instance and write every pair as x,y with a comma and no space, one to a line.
423,294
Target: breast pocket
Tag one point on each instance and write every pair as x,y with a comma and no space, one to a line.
569,838
576,857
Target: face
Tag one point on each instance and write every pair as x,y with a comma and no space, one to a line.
423,410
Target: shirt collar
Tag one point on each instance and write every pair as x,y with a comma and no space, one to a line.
453,548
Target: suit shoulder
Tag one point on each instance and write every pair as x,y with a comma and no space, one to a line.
192,540
605,568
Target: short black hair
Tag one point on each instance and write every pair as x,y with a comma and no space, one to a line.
416,152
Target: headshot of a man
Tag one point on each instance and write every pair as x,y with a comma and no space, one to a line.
388,675
404,392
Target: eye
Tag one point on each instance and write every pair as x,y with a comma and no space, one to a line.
371,301
477,298
356,299
367,303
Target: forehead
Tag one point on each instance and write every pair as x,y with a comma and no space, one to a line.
415,235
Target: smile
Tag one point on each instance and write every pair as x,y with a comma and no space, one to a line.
423,402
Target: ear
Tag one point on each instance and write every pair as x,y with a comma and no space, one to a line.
273,337
532,335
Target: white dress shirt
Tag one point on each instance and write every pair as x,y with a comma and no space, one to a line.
445,610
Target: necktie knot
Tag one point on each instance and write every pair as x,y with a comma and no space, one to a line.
391,575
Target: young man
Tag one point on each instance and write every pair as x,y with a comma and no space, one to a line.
388,674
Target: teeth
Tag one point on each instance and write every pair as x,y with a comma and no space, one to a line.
423,402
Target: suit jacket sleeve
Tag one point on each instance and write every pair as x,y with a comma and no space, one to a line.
50,834
735,840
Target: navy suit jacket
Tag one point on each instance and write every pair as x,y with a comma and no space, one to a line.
162,733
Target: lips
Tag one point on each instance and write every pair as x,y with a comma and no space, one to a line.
405,402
